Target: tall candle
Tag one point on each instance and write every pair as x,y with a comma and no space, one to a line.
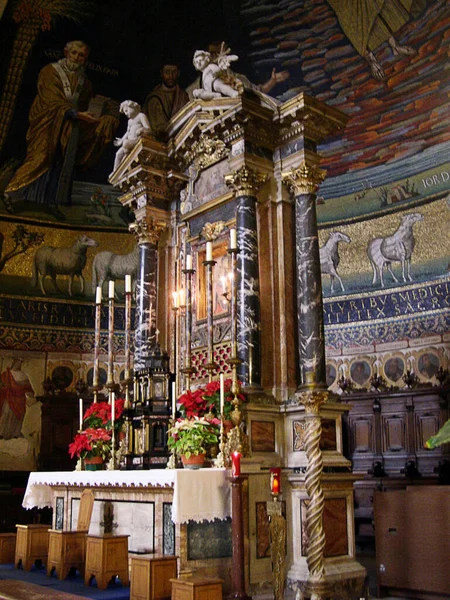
235,464
222,393
98,295
113,409
209,254
127,284
188,262
175,299
111,289
174,400
233,239
81,413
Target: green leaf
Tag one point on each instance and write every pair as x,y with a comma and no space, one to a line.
442,437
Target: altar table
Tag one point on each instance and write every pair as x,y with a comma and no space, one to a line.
198,495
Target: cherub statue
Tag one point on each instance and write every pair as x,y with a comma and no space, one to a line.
213,75
138,124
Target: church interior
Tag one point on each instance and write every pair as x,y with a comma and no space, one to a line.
224,234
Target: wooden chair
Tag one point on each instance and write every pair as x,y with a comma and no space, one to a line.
67,549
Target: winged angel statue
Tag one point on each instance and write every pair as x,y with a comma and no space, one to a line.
216,80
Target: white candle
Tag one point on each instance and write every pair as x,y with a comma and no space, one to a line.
233,239
188,262
81,414
174,400
98,295
222,393
127,284
181,297
209,255
111,290
175,299
113,409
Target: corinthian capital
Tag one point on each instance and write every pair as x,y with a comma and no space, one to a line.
147,230
245,181
304,180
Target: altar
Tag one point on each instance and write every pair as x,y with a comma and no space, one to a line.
163,511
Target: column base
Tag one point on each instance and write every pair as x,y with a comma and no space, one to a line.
343,580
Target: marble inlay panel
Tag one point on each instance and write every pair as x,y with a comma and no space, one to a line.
136,519
208,540
168,530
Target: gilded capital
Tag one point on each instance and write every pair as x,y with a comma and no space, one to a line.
147,230
304,180
312,400
245,181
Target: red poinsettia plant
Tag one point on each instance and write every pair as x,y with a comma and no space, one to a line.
95,437
206,400
91,442
99,415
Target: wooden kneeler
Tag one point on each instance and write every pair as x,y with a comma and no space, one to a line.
67,549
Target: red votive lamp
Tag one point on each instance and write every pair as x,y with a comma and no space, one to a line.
275,481
235,464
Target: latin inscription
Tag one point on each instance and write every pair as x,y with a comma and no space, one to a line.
385,306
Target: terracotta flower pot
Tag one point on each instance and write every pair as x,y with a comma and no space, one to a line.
95,463
195,461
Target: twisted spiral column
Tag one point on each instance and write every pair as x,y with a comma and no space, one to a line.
314,518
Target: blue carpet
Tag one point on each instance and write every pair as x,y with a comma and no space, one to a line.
71,585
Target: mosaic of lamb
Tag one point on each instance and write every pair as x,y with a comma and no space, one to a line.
70,261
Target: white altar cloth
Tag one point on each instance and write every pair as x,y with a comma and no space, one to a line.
198,495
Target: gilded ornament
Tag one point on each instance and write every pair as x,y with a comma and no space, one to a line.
245,181
211,231
304,180
206,152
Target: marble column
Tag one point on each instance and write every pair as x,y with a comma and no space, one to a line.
147,232
303,183
245,183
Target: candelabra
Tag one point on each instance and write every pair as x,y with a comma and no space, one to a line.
237,440
188,370
127,379
209,263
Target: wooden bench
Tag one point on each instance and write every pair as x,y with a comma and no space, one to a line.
151,576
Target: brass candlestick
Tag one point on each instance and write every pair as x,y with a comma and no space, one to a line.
188,369
277,530
220,460
172,462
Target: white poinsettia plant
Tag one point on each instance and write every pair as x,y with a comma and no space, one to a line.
192,436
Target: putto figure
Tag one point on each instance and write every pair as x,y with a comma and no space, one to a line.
213,82
138,124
